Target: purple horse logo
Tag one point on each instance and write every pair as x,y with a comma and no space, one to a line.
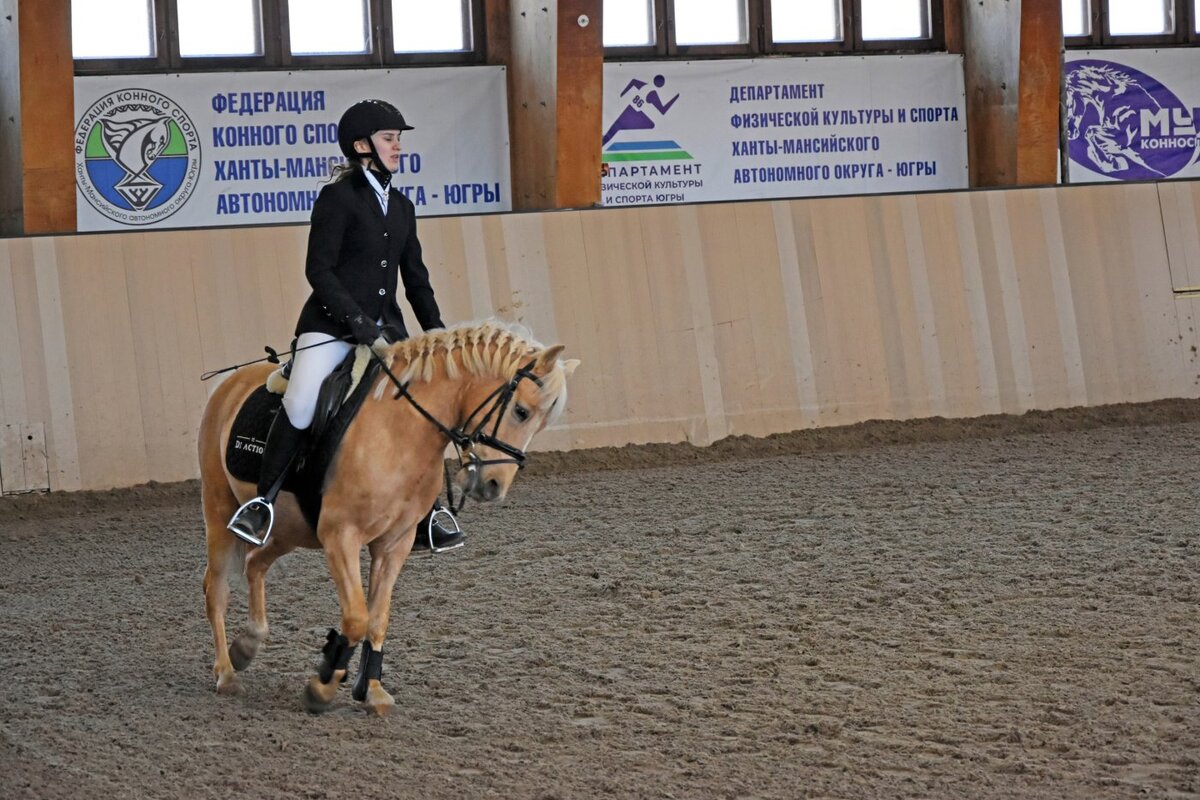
1125,124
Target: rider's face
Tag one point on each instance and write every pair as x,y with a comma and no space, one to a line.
387,145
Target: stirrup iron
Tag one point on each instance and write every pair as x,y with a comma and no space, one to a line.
247,536
436,518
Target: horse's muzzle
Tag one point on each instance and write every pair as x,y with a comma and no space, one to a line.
478,486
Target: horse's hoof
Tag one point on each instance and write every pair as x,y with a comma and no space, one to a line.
378,701
228,684
381,710
318,696
242,652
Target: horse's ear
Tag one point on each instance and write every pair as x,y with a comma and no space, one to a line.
546,359
569,366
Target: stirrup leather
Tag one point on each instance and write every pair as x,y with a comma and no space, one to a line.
248,536
449,522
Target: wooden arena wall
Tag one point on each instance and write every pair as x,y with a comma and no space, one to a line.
693,322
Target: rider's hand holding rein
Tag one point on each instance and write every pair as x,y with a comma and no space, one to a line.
369,333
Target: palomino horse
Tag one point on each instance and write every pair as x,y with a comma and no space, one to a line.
486,387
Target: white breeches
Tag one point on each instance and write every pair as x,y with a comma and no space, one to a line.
309,369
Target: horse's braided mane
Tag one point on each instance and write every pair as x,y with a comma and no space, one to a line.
484,349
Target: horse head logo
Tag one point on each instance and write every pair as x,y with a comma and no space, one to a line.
1112,132
1124,123
134,144
137,156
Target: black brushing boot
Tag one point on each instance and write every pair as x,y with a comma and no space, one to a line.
371,666
253,521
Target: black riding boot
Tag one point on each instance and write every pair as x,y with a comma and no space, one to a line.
252,522
440,526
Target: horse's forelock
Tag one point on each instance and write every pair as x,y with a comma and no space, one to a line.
553,393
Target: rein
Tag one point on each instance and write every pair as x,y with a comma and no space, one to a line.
464,440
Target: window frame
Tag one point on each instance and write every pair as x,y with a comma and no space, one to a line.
758,25
1098,13
276,46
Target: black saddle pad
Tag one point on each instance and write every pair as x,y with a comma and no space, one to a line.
243,455
247,438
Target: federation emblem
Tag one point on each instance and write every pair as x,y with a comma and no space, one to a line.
137,156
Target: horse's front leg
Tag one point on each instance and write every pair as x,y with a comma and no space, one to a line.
386,563
341,553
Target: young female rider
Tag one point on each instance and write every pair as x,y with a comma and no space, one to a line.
362,240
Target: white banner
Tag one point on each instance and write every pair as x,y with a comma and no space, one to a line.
248,148
1132,115
692,131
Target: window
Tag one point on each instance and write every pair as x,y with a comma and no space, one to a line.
710,22
1077,18
656,28
805,21
1136,23
892,20
1140,17
177,35
430,26
313,31
93,34
628,23
219,28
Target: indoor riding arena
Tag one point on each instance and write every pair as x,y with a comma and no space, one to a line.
866,491
1001,608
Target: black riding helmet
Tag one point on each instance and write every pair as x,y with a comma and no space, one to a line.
363,119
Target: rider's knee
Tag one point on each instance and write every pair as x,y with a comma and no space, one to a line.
299,410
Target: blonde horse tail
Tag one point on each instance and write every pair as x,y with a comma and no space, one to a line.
235,566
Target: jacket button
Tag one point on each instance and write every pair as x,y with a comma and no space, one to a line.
382,292
383,263
385,234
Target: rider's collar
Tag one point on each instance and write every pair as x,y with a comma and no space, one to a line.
380,181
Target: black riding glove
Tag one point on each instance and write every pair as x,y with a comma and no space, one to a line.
365,331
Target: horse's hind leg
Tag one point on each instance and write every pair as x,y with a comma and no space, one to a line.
258,562
224,550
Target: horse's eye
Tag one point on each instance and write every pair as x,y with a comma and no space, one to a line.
521,413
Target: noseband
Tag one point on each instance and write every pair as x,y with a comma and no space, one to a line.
464,437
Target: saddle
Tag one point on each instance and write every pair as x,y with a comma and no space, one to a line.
341,395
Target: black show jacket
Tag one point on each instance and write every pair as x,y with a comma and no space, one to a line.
355,256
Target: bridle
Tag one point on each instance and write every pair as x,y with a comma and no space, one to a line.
464,437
